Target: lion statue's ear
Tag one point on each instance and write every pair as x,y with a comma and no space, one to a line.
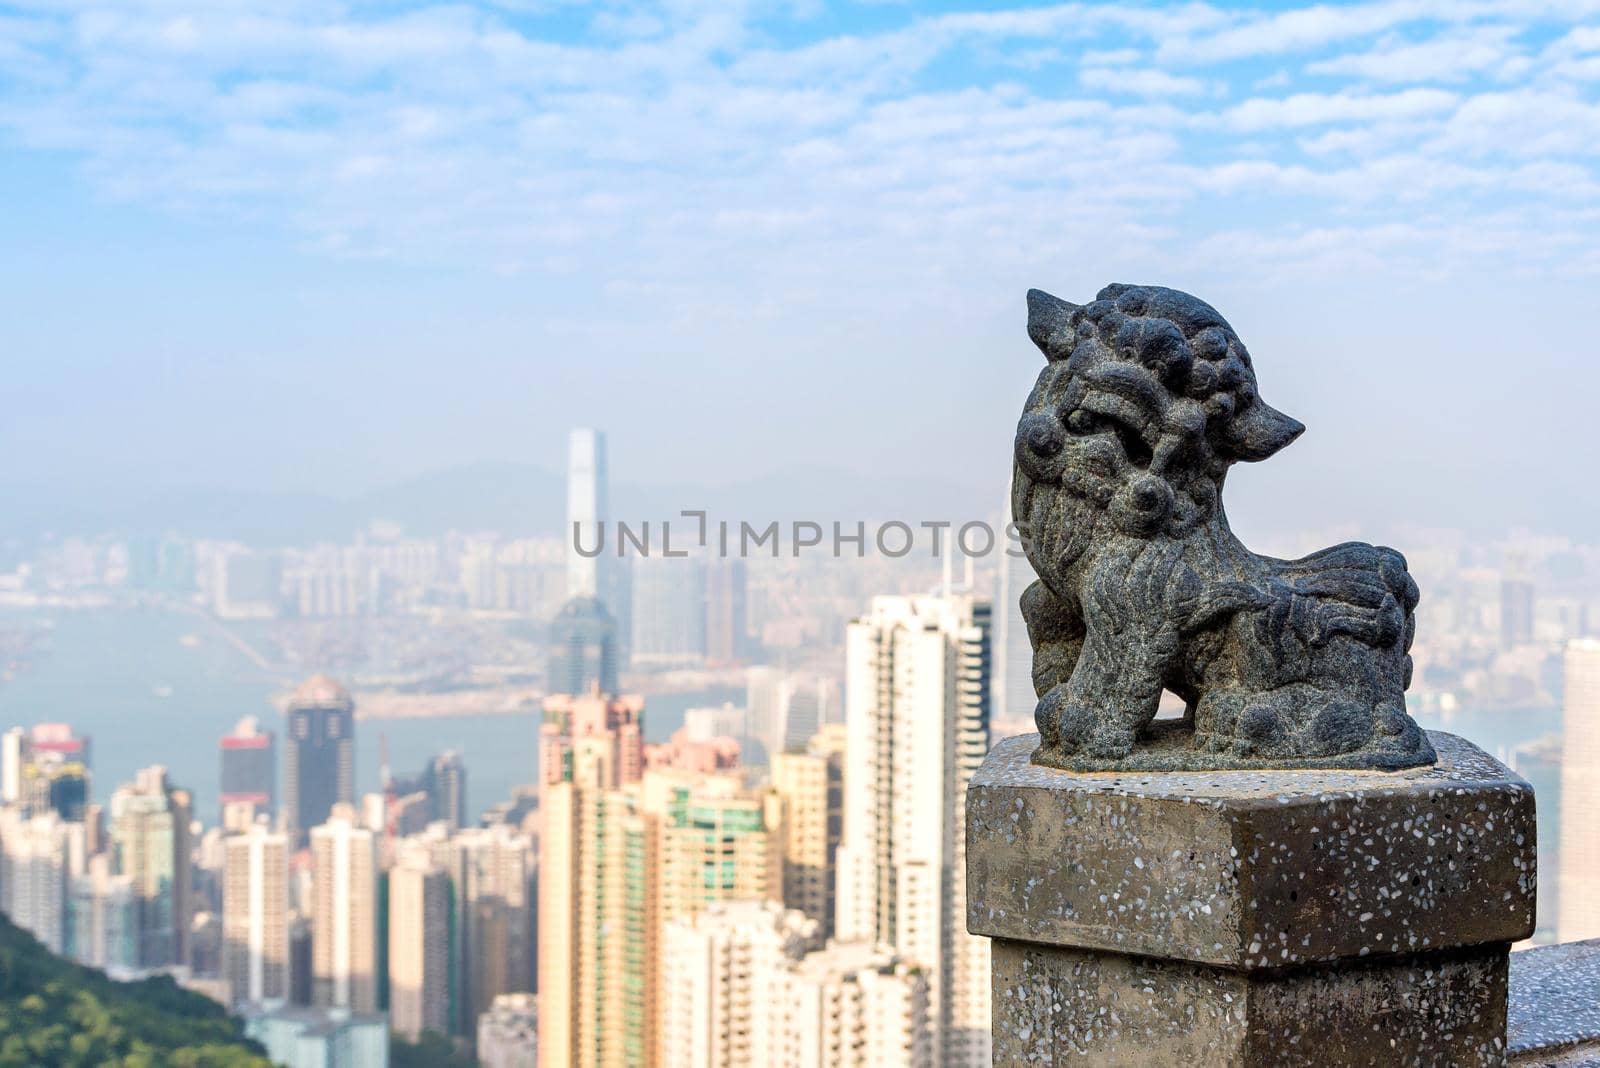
1050,320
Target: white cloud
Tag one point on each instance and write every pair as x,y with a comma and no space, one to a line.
680,147
1317,109
1136,81
1451,57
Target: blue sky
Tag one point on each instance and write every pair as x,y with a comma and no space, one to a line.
320,246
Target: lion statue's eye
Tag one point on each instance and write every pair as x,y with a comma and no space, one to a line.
1083,422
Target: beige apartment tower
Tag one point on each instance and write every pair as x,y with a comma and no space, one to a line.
810,789
255,915
344,929
420,929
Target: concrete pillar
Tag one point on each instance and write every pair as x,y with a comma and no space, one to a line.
1250,918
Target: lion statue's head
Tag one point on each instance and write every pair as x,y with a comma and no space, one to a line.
1148,398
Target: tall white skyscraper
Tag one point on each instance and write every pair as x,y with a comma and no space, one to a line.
724,979
13,753
34,874
344,928
1578,902
917,727
854,1005
587,508
603,575
255,914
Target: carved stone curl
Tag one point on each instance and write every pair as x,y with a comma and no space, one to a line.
1148,398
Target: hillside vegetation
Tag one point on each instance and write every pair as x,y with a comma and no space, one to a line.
54,1012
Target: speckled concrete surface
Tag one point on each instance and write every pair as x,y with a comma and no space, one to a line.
1252,869
1554,1014
1055,1006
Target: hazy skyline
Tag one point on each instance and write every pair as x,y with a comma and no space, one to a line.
340,245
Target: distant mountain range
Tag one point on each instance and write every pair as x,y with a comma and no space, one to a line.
515,499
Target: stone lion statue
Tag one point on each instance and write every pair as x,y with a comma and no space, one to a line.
1147,399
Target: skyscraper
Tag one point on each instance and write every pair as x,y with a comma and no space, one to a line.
588,514
784,709
724,981
669,611
421,927
249,766
495,875
443,786
319,761
584,651
50,783
917,721
1516,612
1578,902
594,727
150,840
853,1005
725,615
255,915
34,873
13,754
344,922
102,918
810,787
508,1034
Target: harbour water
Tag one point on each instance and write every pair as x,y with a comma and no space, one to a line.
157,686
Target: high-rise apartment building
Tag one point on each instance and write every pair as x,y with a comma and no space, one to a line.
13,754
669,611
1578,901
34,871
45,768
595,866
917,722
102,918
421,929
854,1005
443,785
149,828
52,784
591,727
1516,612
249,759
724,983
447,788
508,1034
784,709
319,756
618,861
495,873
255,915
726,622
344,921
810,788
